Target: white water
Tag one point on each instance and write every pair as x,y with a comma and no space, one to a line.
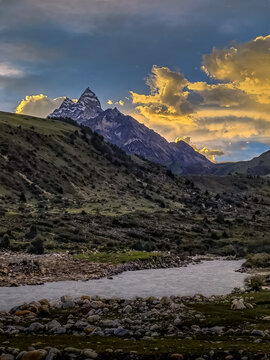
208,278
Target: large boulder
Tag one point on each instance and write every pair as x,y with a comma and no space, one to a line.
7,357
52,354
256,332
120,332
92,319
35,327
90,354
238,304
54,324
35,355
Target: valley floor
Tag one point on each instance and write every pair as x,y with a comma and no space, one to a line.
221,327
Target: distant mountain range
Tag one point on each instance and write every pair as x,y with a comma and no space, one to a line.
136,138
258,166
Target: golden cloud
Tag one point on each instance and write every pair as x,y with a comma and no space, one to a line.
38,105
210,154
120,102
168,97
235,108
246,66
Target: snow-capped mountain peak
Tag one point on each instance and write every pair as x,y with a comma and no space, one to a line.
132,136
87,107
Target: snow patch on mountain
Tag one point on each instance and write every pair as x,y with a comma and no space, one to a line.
131,136
87,107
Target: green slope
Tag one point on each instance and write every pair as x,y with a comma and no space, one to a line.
45,160
79,192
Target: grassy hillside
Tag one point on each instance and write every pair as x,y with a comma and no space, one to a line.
79,193
57,164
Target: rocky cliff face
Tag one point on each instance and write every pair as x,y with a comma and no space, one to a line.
87,107
132,136
136,138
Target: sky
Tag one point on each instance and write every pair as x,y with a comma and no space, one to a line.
196,70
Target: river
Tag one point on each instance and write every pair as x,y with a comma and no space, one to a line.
216,277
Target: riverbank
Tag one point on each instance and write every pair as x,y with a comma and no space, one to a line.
220,327
26,269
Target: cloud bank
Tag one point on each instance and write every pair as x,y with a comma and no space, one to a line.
233,107
86,15
38,105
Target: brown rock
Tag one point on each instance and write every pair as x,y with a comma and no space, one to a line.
176,356
85,297
43,310
6,357
45,302
89,330
35,355
23,312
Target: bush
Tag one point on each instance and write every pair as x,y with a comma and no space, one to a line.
36,246
215,236
261,260
220,218
227,250
22,197
138,245
5,242
32,232
254,283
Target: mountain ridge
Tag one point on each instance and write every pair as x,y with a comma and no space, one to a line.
136,138
132,136
87,107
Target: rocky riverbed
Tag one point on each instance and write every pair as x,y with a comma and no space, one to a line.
220,327
25,269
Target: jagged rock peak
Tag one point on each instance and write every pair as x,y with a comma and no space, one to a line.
88,97
67,101
87,107
88,91
132,136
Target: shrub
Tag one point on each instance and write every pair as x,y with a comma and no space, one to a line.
5,242
138,246
254,283
32,232
215,236
220,218
170,174
261,260
36,246
22,197
227,250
